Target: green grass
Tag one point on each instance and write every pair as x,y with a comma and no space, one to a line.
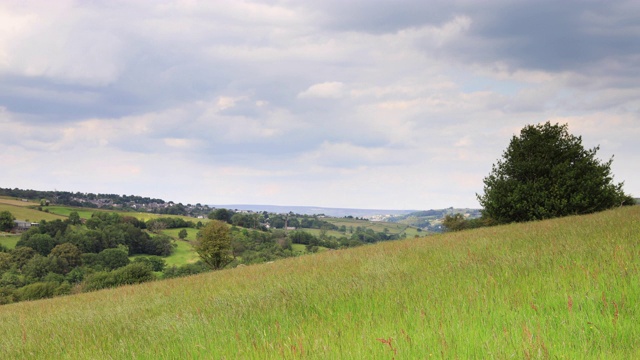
25,213
300,249
183,254
9,241
377,226
17,202
85,213
191,233
565,288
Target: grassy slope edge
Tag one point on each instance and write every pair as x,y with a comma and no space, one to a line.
563,288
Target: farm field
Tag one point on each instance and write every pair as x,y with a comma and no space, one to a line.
24,213
16,202
85,213
9,241
563,288
191,233
377,226
183,254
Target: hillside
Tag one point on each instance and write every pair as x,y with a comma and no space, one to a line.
564,288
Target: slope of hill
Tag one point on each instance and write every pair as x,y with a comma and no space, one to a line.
564,288
23,211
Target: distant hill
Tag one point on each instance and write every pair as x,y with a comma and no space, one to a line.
432,219
313,210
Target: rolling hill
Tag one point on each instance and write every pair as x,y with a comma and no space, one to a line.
562,288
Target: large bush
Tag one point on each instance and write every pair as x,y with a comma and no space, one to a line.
546,172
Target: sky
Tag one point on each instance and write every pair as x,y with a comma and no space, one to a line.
399,104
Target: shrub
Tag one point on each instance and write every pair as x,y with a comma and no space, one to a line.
35,291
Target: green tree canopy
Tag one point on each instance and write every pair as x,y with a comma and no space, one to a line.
214,244
6,221
74,218
114,258
546,172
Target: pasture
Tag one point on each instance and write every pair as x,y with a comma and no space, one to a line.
564,288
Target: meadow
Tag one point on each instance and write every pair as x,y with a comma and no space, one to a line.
563,288
85,213
27,213
377,226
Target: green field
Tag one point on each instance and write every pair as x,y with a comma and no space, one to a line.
377,226
17,202
191,233
565,288
85,213
25,213
9,241
183,254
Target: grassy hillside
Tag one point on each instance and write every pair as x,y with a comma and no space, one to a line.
377,226
565,288
85,213
25,213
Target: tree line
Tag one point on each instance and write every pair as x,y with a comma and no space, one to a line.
58,257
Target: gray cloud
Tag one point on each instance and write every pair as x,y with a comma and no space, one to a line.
262,101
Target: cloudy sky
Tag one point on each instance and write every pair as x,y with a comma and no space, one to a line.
399,104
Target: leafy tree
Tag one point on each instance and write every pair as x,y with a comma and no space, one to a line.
39,266
21,255
42,243
114,258
156,263
221,214
74,218
39,290
184,270
546,172
133,274
214,245
183,234
162,245
6,221
5,262
69,253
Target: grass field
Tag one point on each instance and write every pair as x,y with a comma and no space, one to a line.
377,226
191,233
183,254
25,213
85,213
17,202
565,288
300,249
8,240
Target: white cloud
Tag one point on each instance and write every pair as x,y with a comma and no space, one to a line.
331,89
406,106
61,42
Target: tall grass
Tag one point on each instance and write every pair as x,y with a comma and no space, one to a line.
564,288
